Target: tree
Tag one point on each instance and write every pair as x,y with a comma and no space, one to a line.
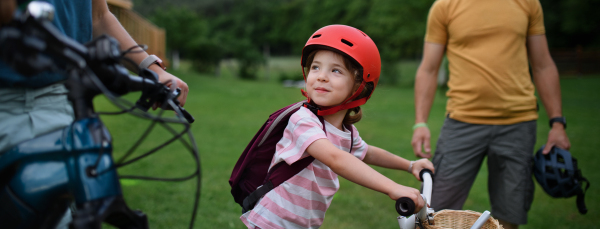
572,23
190,35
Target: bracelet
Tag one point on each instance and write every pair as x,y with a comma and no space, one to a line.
151,59
410,166
421,124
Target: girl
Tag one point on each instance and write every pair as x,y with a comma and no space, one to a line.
343,66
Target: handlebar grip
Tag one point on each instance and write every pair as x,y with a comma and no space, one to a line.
423,171
405,206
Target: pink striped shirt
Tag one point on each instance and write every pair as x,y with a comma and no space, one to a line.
301,201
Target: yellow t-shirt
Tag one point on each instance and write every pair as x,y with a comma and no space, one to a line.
486,48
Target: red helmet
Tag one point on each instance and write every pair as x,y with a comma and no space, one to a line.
355,44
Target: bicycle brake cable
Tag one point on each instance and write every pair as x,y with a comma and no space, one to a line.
117,101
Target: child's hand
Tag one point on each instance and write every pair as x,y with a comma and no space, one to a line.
412,193
420,165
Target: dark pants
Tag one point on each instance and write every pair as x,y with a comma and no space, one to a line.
459,154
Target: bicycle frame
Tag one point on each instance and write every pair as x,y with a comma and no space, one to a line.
49,171
41,177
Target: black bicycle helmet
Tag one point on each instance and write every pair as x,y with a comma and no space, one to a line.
559,176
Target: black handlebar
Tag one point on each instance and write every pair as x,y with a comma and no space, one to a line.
155,92
34,45
423,171
406,206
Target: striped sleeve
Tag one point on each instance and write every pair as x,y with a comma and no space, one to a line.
359,147
301,131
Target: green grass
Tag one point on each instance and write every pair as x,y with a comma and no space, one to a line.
228,113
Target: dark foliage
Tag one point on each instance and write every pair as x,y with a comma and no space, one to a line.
210,30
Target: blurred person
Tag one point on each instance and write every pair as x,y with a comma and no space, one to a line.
32,106
491,109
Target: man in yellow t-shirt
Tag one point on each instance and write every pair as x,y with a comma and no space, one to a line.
492,108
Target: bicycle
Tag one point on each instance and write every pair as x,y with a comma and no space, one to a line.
41,177
428,218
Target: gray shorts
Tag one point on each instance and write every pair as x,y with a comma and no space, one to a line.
459,154
26,113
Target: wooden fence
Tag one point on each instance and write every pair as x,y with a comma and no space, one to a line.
142,31
576,62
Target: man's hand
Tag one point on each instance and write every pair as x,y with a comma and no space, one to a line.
557,137
421,140
7,9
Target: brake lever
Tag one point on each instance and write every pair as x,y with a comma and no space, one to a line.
184,112
155,92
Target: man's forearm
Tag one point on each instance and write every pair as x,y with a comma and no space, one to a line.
548,85
425,86
426,79
545,74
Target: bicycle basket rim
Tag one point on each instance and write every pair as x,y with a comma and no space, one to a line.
458,219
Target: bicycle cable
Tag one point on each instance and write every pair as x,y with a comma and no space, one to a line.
127,107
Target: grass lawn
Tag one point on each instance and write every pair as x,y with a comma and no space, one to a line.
228,113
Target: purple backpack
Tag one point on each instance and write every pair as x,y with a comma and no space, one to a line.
252,168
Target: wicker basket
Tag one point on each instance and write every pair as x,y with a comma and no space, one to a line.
455,219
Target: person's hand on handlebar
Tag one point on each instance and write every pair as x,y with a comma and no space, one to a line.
104,22
167,79
420,165
412,193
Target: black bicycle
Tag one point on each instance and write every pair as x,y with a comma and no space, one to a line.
84,174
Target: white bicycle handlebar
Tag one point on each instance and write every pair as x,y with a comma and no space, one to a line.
406,206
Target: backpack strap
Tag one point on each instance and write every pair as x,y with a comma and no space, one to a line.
273,179
250,200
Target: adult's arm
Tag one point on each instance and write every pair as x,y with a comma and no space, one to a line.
104,22
7,8
545,77
353,169
425,86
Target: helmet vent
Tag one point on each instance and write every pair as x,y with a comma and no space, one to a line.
560,159
563,173
316,36
347,42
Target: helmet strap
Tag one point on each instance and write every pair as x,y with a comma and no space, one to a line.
581,199
581,193
344,105
334,109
